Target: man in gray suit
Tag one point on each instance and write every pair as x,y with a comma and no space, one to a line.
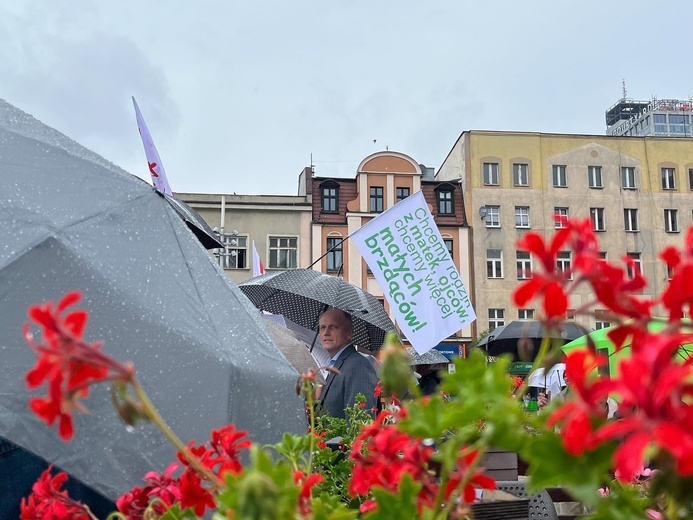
356,372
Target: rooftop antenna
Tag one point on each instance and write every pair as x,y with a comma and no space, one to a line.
623,86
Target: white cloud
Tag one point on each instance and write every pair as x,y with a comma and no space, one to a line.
239,95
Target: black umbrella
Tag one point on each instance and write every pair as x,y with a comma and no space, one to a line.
70,220
195,222
303,294
505,339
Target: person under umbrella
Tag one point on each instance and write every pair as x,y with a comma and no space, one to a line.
303,295
354,373
428,366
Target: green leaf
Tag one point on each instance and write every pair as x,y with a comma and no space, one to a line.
174,513
401,506
550,465
324,509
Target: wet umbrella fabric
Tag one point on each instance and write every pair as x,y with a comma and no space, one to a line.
309,337
70,220
303,294
296,350
504,339
432,357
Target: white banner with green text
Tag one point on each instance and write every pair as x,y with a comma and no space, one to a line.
408,257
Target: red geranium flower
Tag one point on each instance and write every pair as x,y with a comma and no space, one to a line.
222,456
47,501
307,484
473,478
165,487
548,283
66,363
193,494
382,455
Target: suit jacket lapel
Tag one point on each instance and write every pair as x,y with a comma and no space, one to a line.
338,365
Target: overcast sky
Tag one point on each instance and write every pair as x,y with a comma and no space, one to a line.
239,95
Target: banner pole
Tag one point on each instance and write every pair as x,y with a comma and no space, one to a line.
329,250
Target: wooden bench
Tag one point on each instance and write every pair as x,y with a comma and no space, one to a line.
500,464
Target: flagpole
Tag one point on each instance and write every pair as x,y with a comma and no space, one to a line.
329,250
223,214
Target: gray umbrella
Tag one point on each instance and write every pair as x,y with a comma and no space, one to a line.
303,294
432,357
70,220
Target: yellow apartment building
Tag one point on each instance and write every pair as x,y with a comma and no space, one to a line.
638,192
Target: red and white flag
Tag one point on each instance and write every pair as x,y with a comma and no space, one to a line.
153,160
258,267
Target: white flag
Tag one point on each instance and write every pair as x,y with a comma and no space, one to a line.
408,257
153,160
258,267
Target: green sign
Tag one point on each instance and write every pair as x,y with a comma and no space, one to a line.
520,367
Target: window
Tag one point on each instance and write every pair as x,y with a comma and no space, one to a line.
521,174
594,174
525,314
334,254
634,265
235,252
402,193
446,205
521,216
496,318
494,263
563,264
560,212
283,252
493,216
601,317
670,272
668,179
690,179
671,220
449,245
678,124
491,174
560,179
628,178
598,219
630,217
330,197
376,199
524,265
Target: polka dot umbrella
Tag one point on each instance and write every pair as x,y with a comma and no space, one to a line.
302,295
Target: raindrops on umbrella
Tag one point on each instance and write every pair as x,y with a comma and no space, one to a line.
432,357
302,295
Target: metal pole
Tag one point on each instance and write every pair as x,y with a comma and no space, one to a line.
329,250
